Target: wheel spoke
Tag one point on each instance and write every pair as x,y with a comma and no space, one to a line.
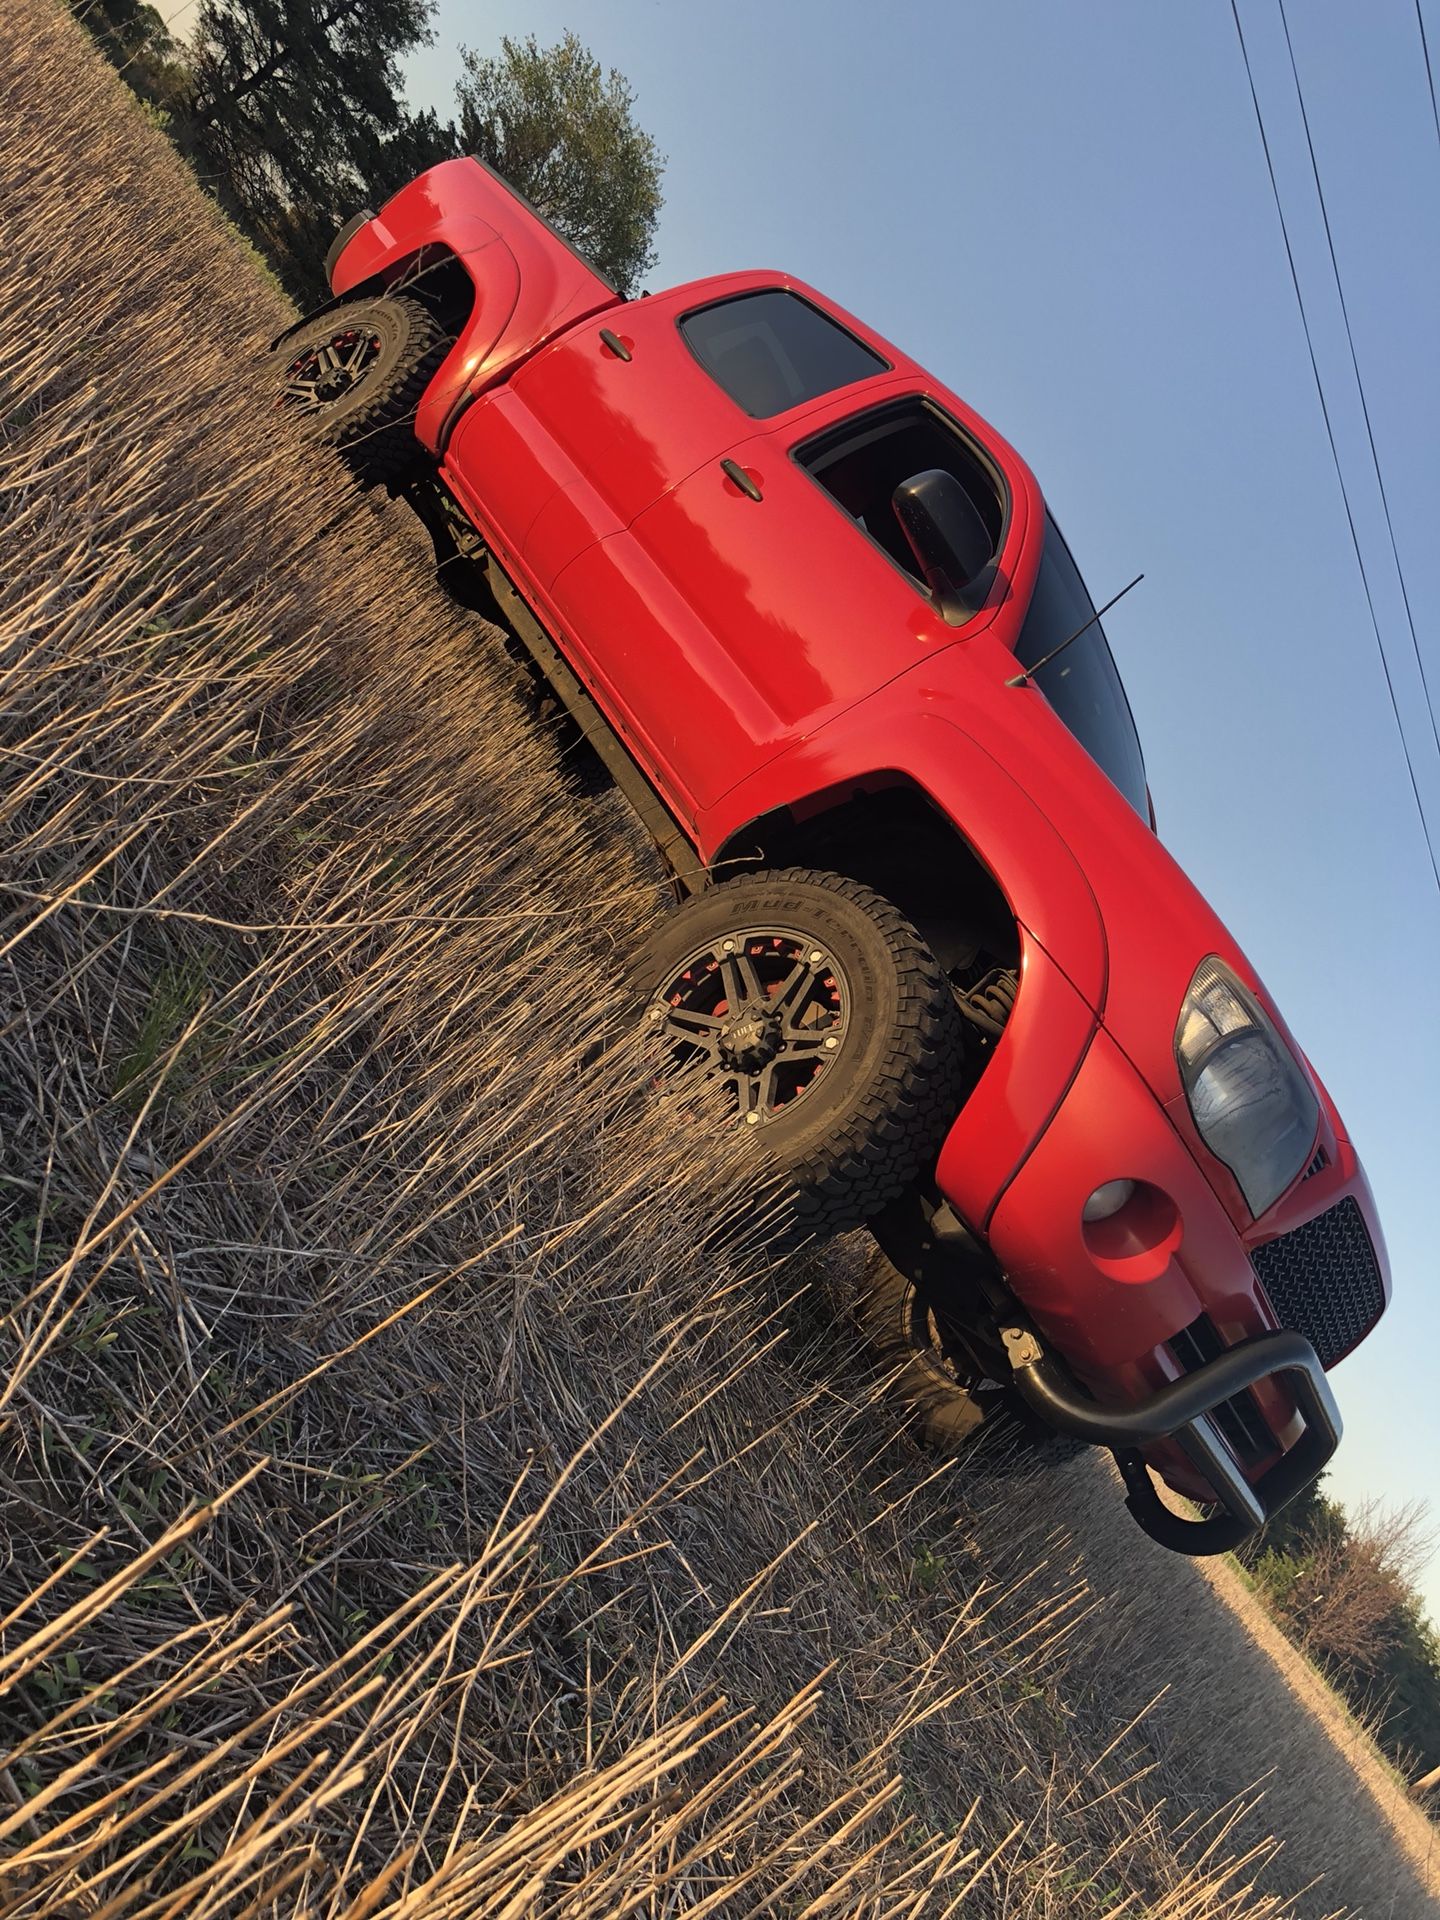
692,1024
750,1087
750,974
742,982
805,1040
794,988
759,1013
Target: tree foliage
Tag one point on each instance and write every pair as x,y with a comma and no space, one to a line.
563,131
286,101
293,113
1343,1588
133,35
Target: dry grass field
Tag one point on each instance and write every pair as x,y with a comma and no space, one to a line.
415,1505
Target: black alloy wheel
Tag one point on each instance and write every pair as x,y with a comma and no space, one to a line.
324,372
354,377
826,1026
762,1012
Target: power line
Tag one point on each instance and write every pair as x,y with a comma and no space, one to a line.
1360,384
1425,49
1334,450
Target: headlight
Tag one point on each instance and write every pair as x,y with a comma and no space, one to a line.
1254,1107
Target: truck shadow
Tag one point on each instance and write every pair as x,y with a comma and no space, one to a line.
1237,1708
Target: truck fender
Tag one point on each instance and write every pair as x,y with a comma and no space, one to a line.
1064,959
882,742
526,282
374,262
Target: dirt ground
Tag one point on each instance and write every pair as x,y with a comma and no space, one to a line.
1238,1706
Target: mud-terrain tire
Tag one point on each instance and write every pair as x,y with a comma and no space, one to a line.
353,380
954,1405
879,1017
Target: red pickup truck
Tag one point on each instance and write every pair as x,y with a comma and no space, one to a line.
815,615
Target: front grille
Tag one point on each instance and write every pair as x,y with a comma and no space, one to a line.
1323,1280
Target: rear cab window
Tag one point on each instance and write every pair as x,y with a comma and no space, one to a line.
772,351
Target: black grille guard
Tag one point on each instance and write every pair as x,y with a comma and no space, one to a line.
1180,1411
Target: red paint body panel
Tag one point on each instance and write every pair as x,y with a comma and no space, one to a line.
1101,1310
1035,1062
634,428
528,284
913,727
518,485
763,655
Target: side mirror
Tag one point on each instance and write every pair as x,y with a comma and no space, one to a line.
950,541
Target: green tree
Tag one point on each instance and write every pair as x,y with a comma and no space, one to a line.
287,101
561,130
133,36
1343,1587
419,141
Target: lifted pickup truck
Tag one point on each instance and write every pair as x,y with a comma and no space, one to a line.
816,617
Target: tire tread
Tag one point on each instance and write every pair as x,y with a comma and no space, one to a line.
888,1137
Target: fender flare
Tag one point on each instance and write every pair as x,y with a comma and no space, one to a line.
1043,883
496,292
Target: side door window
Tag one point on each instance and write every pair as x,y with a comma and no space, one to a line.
861,463
772,351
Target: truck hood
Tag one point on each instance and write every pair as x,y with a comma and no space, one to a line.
1157,926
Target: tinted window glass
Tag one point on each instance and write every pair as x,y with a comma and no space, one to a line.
771,351
1083,685
862,463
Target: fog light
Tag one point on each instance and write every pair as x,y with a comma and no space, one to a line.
1107,1200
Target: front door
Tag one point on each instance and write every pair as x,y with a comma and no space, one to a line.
769,591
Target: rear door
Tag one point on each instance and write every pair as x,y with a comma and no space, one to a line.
581,439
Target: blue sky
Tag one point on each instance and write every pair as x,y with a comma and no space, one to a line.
1064,211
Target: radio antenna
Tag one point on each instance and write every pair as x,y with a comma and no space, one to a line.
1023,679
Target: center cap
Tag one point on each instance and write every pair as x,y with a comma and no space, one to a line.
751,1039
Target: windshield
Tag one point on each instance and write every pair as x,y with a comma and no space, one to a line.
1083,685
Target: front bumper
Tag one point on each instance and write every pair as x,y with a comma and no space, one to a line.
1137,1306
1182,1412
